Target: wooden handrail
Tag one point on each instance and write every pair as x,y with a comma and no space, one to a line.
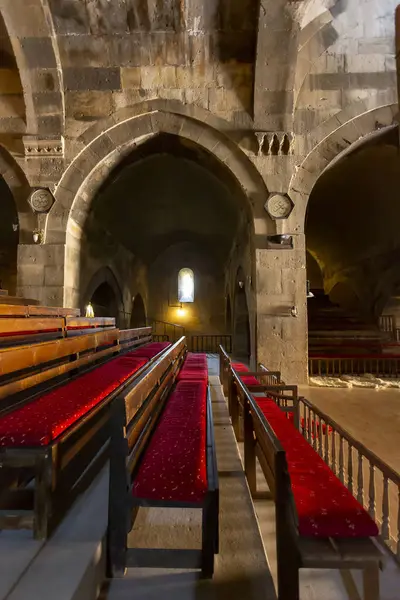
336,447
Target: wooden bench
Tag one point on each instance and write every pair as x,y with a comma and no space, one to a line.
163,455
262,382
54,421
29,324
319,524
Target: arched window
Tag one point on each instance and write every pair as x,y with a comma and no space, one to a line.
186,285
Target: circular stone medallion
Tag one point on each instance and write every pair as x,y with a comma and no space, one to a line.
278,206
41,200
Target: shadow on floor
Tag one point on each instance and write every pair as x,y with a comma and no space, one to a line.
187,586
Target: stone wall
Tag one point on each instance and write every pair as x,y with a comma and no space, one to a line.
287,85
206,315
198,53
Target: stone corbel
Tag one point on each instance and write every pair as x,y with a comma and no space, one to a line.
274,143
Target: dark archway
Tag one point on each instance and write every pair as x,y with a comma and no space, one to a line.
241,347
352,233
104,301
8,239
138,314
105,295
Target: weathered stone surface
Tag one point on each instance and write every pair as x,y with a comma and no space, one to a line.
92,79
39,53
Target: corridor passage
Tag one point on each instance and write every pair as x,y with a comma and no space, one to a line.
241,569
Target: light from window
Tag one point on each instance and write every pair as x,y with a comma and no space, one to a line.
186,285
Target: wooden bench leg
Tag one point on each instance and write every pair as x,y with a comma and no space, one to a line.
249,452
209,528
216,547
371,583
120,509
288,581
117,537
43,510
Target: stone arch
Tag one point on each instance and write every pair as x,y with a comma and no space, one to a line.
315,38
311,45
119,136
322,155
19,187
104,277
138,313
35,47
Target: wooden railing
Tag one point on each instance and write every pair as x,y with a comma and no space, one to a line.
374,483
209,343
172,331
387,323
371,481
160,338
334,366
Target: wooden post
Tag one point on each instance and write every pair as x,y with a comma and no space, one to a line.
249,450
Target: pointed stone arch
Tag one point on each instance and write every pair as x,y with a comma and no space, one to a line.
120,135
338,141
35,48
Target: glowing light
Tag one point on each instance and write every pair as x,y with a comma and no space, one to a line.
186,285
89,311
181,312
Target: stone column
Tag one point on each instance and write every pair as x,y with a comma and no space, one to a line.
41,273
282,338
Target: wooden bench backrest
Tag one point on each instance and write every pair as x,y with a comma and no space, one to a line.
20,329
131,338
87,323
139,405
22,326
23,367
11,310
272,459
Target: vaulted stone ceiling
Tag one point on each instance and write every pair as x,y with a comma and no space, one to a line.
164,195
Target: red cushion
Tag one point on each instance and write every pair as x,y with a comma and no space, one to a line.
240,367
324,505
249,380
174,467
145,352
160,345
194,374
44,419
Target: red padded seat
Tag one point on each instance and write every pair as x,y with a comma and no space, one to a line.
174,466
325,507
187,373
249,380
45,418
311,425
149,350
159,345
144,352
240,367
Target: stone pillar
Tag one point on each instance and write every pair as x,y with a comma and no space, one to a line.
41,273
282,339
